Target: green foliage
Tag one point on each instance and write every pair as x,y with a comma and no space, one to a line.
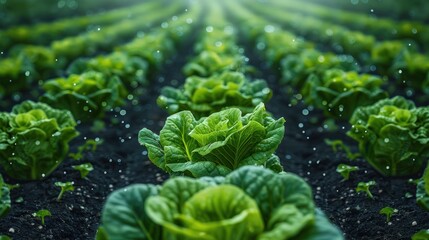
87,95
4,237
365,187
84,169
65,187
148,48
208,63
13,76
298,67
413,70
393,136
215,145
388,212
249,203
204,96
89,145
345,170
34,140
5,202
385,53
421,235
422,193
41,214
339,93
130,70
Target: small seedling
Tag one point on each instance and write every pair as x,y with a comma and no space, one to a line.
345,170
389,212
65,187
364,187
42,214
84,169
89,145
338,144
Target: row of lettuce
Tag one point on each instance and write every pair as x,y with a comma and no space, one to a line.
397,59
46,32
381,28
391,133
26,65
35,136
29,12
218,127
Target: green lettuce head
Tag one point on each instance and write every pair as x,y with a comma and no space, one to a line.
393,136
339,93
34,140
204,96
87,95
249,203
217,144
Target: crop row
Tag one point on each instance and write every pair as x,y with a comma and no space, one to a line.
382,28
30,63
384,128
44,33
401,9
398,60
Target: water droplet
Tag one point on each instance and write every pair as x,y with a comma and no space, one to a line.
305,112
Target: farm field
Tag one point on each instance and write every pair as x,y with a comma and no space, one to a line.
198,119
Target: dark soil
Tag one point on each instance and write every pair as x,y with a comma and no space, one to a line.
121,161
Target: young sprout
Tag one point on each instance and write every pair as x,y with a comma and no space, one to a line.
89,145
42,214
65,187
345,170
389,212
84,169
338,144
364,187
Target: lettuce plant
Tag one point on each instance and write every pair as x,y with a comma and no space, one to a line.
393,135
339,93
413,70
87,95
203,96
298,67
34,139
208,63
385,53
4,198
131,70
422,194
249,203
14,75
217,144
